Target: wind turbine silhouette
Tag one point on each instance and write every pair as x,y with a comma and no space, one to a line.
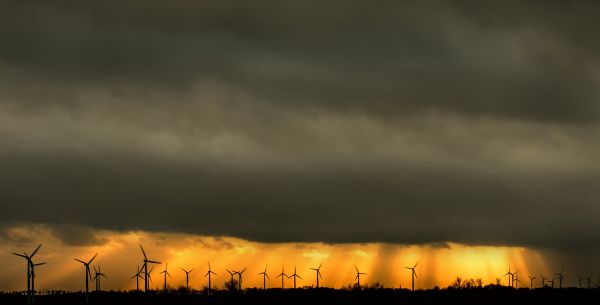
318,271
166,272
552,281
29,268
282,275
543,280
97,275
149,277
561,277
413,274
88,276
531,281
231,273
239,273
589,281
295,275
137,277
208,273
265,277
517,281
510,277
358,273
187,279
145,267
515,278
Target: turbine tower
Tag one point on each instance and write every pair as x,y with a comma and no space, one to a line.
295,275
318,271
33,274
282,275
208,273
145,267
187,279
358,273
166,272
88,276
29,265
531,281
137,277
515,278
97,275
413,274
265,277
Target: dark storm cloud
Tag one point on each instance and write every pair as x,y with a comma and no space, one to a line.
312,121
533,60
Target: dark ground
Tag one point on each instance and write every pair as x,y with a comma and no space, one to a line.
498,295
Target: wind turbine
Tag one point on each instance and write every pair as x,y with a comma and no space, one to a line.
265,276
166,272
358,273
580,279
282,275
145,267
208,273
531,281
29,264
231,273
589,281
97,276
149,276
517,281
510,277
137,277
239,273
413,274
543,280
295,275
561,277
515,278
187,279
88,276
552,281
318,271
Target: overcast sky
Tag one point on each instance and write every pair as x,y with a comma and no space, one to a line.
416,122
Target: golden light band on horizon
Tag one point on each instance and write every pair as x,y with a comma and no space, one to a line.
119,254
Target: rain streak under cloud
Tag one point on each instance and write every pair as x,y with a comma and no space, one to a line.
279,124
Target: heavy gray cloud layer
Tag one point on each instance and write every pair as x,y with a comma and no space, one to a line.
312,121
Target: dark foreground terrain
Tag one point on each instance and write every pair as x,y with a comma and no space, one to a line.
498,295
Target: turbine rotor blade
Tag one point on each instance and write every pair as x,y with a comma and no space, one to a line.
93,258
35,251
143,252
21,255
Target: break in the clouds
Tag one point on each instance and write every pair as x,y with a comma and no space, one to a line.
418,122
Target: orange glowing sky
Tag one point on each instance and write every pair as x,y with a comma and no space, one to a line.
119,254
